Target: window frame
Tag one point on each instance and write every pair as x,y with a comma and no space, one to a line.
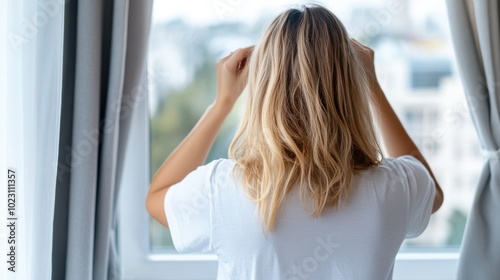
133,227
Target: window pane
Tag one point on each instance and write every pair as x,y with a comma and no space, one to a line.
415,65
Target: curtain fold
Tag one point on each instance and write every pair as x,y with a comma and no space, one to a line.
477,46
106,59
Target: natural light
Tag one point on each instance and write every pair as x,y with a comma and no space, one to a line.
250,139
416,67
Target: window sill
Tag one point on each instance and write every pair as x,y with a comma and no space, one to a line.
409,265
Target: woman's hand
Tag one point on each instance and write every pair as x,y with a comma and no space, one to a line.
232,72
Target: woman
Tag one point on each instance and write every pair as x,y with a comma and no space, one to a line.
306,193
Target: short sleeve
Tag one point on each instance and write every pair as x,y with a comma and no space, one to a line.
420,193
187,207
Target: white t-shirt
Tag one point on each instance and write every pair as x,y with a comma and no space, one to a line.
209,212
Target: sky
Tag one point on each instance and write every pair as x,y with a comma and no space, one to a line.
201,12
208,11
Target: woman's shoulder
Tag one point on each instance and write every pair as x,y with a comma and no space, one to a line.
403,163
399,170
221,169
222,182
221,164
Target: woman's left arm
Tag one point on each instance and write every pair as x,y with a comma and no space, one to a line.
193,150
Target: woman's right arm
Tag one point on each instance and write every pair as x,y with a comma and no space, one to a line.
395,138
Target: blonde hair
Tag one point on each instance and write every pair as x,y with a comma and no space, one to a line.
307,122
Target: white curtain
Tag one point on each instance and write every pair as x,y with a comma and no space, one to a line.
475,30
31,45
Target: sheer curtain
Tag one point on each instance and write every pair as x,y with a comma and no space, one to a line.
32,97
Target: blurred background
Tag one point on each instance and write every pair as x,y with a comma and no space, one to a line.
415,64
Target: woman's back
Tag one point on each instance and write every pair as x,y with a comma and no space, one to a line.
209,212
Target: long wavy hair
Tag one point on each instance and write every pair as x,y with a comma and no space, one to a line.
307,122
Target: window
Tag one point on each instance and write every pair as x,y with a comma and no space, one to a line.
415,65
